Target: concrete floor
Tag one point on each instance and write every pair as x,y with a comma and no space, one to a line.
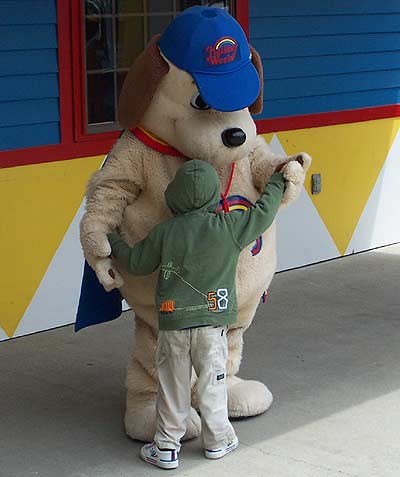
327,344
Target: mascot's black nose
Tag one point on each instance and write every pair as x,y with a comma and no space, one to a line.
233,137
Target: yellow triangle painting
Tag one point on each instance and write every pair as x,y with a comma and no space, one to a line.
38,203
349,158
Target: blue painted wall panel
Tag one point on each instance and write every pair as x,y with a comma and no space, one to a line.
322,25
328,103
28,62
29,87
31,135
29,91
319,85
327,56
276,68
21,12
27,37
34,111
292,47
263,8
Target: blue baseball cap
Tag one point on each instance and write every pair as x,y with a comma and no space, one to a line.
211,46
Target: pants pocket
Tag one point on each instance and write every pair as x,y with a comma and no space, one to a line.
219,376
219,360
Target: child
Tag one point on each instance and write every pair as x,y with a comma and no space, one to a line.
197,252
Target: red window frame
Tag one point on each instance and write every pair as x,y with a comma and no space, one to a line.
78,68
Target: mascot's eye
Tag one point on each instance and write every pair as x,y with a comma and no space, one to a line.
198,102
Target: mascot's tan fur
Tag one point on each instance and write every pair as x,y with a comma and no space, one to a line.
128,193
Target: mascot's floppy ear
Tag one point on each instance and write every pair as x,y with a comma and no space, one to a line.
140,84
257,106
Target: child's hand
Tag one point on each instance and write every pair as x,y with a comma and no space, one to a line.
280,166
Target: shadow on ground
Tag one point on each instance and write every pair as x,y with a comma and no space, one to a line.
327,341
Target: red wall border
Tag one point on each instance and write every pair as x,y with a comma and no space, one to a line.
59,152
289,123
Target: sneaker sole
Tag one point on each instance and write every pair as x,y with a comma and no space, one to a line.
163,465
219,455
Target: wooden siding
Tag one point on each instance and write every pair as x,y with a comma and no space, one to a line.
327,56
29,91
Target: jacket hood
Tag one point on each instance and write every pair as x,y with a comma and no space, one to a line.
196,187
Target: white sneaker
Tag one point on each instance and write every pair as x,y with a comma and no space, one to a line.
218,453
166,459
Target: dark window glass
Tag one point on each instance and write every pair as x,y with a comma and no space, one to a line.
116,31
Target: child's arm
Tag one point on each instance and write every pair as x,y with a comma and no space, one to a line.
247,226
141,259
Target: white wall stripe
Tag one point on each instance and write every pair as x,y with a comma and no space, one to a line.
56,299
379,222
3,336
302,236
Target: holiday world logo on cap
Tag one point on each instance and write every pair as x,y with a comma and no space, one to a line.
224,50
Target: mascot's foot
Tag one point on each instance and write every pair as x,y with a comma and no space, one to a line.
247,398
140,424
193,426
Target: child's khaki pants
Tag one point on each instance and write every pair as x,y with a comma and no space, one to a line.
206,348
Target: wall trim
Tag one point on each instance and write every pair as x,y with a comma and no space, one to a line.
61,152
289,123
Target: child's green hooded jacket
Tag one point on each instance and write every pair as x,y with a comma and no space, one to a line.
198,250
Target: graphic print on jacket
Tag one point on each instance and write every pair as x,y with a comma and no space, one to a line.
197,250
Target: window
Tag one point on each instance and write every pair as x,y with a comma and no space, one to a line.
115,32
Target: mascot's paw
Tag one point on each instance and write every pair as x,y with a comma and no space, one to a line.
304,159
293,172
247,398
140,424
107,274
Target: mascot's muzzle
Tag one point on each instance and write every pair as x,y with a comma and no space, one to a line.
233,137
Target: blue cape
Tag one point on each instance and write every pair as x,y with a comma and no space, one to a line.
95,304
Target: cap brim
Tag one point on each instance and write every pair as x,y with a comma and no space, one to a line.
229,91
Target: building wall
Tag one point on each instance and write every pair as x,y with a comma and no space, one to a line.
29,109
327,56
41,204
356,210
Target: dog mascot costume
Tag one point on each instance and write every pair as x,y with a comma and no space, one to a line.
190,94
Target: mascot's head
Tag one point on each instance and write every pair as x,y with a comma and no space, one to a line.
195,86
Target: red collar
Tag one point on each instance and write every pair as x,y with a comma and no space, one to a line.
155,143
158,145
